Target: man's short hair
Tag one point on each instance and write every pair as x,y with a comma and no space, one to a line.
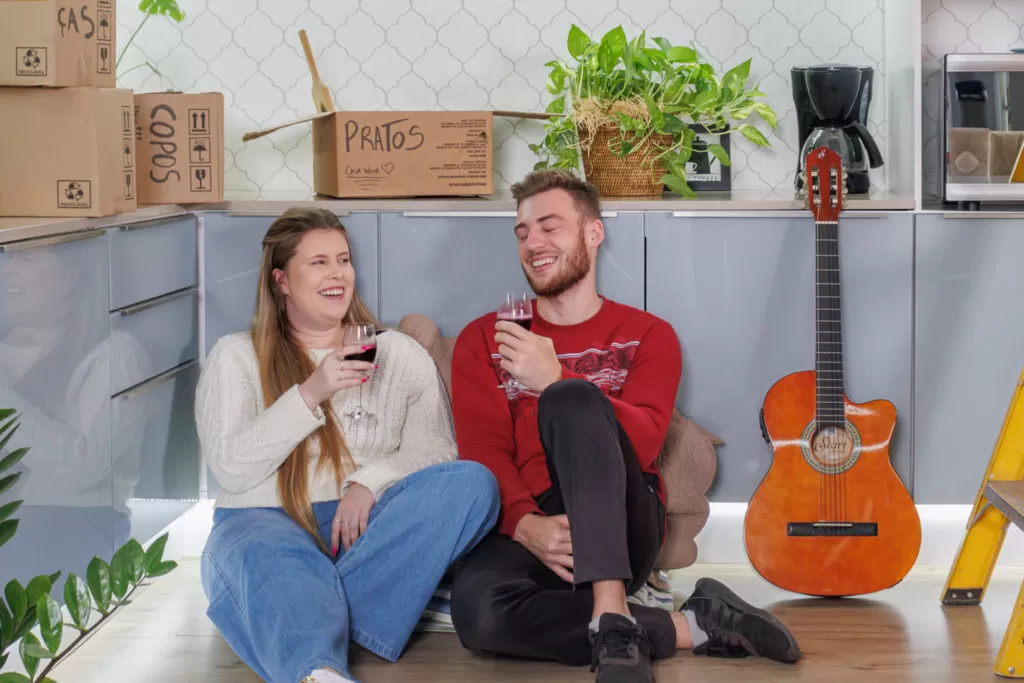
585,196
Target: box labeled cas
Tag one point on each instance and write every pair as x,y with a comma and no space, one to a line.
58,44
402,153
180,147
67,152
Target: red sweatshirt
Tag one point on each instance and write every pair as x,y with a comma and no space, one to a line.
631,355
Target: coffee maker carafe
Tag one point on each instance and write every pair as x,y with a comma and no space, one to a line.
832,103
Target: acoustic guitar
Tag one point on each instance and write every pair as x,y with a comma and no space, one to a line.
831,516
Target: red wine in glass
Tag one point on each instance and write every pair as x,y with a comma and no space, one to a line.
526,322
367,356
361,335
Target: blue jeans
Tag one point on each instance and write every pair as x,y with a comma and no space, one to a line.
287,609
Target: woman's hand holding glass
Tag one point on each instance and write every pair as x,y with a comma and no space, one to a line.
334,374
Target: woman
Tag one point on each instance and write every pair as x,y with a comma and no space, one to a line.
322,535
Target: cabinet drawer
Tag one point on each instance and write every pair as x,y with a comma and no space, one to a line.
164,333
155,444
152,258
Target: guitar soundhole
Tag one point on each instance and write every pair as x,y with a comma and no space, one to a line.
832,447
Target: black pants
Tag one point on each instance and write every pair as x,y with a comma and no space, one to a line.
506,601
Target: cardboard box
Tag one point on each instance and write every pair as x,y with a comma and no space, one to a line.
55,43
401,153
179,143
66,152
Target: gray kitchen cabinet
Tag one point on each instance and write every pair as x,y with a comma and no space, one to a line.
739,291
56,356
969,350
152,258
455,266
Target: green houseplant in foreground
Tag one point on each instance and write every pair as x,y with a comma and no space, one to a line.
629,109
106,587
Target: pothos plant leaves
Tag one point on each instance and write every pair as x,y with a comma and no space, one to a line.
653,94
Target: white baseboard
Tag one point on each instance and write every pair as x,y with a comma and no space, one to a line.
942,530
721,540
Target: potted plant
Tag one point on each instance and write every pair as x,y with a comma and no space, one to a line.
28,609
631,111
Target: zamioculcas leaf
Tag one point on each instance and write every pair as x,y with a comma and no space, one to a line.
8,527
6,627
98,578
162,568
9,509
31,653
9,425
9,481
51,626
3,658
37,587
135,561
155,553
17,599
119,574
14,678
76,599
54,577
14,457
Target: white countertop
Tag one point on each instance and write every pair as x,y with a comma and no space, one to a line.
22,228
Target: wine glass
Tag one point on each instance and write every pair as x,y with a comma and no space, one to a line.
361,335
516,307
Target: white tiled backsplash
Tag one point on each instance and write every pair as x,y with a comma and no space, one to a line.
958,26
473,54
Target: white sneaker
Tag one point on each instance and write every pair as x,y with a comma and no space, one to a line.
325,676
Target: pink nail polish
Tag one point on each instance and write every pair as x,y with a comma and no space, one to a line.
376,367
365,348
364,379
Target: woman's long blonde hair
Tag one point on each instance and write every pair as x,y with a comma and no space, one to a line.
285,362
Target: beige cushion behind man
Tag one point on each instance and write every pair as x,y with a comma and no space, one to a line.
687,459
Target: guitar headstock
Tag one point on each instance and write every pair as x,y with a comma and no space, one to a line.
826,184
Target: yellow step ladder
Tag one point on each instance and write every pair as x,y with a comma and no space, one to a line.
1000,500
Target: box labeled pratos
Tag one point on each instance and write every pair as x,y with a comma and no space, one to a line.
57,43
180,147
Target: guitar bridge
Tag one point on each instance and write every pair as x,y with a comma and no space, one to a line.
832,529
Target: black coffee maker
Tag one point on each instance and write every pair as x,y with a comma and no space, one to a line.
832,103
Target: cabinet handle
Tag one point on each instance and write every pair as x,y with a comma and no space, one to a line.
478,214
146,305
152,382
983,215
156,223
270,213
786,213
50,241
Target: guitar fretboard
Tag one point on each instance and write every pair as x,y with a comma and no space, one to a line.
830,410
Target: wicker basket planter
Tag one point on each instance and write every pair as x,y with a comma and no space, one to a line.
637,174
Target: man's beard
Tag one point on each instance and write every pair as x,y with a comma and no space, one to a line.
577,265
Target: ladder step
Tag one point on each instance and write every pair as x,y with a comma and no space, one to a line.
1008,497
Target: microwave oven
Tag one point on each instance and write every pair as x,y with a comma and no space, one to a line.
982,128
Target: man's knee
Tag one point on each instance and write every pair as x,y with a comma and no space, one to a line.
571,395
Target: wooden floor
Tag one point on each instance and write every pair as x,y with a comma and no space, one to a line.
904,634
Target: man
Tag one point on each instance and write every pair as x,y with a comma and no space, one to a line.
573,442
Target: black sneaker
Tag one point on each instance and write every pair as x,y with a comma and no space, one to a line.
622,651
737,629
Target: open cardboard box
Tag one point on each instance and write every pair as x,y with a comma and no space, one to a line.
402,153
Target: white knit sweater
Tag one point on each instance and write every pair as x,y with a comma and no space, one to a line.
245,443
